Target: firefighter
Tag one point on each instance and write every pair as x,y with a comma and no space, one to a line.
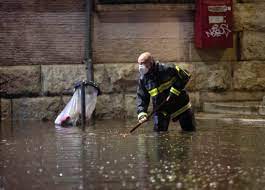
164,84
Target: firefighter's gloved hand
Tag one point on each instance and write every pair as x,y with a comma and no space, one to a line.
142,119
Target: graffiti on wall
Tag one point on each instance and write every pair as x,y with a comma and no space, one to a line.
218,31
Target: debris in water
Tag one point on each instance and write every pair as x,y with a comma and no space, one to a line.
124,134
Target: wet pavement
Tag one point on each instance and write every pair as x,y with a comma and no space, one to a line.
35,155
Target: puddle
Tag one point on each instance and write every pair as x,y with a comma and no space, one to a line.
35,155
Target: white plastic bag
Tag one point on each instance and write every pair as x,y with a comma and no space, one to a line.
72,110
91,100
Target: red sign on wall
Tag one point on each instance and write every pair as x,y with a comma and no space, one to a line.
213,24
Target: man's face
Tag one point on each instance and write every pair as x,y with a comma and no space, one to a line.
146,62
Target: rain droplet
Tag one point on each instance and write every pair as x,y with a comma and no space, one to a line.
162,180
179,185
213,184
123,183
152,179
171,177
60,174
40,170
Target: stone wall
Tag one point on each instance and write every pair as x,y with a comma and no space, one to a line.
43,46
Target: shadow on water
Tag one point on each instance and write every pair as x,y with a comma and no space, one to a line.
37,155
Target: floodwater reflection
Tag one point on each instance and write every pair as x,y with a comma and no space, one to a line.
35,155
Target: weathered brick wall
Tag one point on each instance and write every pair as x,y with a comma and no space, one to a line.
41,32
42,48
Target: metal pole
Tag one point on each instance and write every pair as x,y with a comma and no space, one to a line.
88,50
88,41
83,105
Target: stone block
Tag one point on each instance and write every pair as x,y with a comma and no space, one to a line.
123,77
20,80
218,119
213,76
110,106
5,109
130,105
102,78
117,77
65,99
249,76
41,108
253,45
211,54
228,96
249,16
239,108
58,79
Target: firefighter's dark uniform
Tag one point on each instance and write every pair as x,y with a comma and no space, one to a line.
160,82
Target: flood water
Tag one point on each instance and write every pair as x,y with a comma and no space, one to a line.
35,155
